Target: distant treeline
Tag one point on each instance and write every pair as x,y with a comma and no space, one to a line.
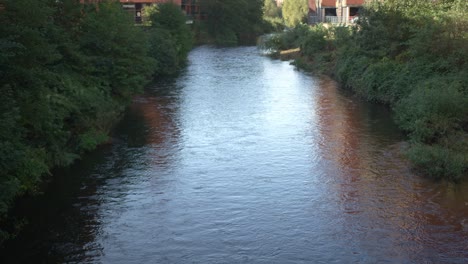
67,72
411,55
230,23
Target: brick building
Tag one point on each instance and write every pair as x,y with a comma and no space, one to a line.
191,8
334,11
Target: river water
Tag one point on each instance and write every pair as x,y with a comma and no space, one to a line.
243,159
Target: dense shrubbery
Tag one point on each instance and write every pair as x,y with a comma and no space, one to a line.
170,38
241,22
411,55
295,12
272,16
229,23
67,70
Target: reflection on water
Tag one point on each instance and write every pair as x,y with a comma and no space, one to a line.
386,208
245,160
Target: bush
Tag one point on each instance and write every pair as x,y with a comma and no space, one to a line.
226,38
67,71
435,109
439,162
314,40
170,39
227,20
162,49
377,82
410,55
289,39
273,24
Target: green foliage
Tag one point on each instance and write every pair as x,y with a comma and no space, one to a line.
419,68
272,16
226,38
438,162
170,38
434,109
273,24
378,82
295,12
290,39
91,139
315,40
168,16
226,18
117,50
67,71
411,55
162,47
278,42
270,9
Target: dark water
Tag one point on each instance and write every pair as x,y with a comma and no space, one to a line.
243,159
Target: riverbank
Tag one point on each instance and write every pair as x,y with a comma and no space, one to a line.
67,73
415,68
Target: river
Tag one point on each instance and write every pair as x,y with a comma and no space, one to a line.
243,159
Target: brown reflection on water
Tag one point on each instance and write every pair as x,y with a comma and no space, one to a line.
162,132
341,128
379,195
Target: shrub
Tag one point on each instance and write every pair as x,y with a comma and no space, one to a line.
435,109
439,162
226,38
313,40
411,55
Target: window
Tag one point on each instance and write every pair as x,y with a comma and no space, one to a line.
354,11
330,11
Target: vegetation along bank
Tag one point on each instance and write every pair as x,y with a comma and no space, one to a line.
67,71
69,68
411,55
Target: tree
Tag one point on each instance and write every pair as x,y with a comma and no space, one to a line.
67,70
168,22
230,21
271,9
116,48
25,112
272,16
295,12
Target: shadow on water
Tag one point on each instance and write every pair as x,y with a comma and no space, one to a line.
61,224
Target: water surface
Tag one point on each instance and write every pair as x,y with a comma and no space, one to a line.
243,159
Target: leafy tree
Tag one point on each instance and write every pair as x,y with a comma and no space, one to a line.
295,12
25,113
116,48
272,15
408,54
231,21
67,70
170,31
162,48
270,9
